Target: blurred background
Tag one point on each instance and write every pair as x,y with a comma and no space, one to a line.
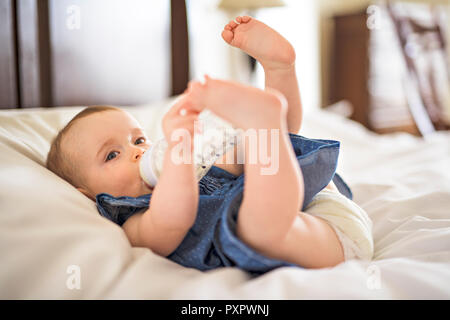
352,56
384,64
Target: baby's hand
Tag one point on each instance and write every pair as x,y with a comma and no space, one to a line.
179,122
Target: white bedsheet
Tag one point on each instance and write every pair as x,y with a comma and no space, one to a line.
50,233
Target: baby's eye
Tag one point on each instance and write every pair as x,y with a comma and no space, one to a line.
111,155
142,139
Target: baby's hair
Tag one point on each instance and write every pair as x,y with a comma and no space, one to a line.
59,161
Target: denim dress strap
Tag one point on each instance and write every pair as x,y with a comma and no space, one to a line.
342,186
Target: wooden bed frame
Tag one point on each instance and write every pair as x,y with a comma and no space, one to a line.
64,52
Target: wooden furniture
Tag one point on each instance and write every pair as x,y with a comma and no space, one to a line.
8,62
86,52
350,65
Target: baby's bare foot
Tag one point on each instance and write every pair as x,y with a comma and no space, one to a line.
260,41
244,106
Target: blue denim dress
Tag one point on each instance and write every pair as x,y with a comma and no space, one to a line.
212,241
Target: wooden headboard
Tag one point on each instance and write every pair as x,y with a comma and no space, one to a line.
87,52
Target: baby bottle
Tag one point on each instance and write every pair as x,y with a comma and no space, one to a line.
216,137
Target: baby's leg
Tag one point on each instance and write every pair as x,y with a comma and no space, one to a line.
269,219
269,207
277,57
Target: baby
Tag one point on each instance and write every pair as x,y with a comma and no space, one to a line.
98,152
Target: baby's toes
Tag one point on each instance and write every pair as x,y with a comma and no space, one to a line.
192,85
243,19
227,35
232,24
195,91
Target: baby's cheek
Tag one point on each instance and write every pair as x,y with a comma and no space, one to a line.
126,182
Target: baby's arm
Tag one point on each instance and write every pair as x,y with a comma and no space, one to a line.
174,201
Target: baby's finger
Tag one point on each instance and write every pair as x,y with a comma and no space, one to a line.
184,112
188,120
183,121
183,130
193,84
183,103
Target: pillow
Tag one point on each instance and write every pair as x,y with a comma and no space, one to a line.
47,227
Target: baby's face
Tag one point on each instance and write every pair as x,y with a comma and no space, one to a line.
107,147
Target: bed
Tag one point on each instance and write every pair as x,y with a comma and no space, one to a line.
47,227
55,245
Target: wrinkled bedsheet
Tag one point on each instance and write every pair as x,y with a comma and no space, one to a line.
55,245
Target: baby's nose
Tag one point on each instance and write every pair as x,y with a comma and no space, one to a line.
138,152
